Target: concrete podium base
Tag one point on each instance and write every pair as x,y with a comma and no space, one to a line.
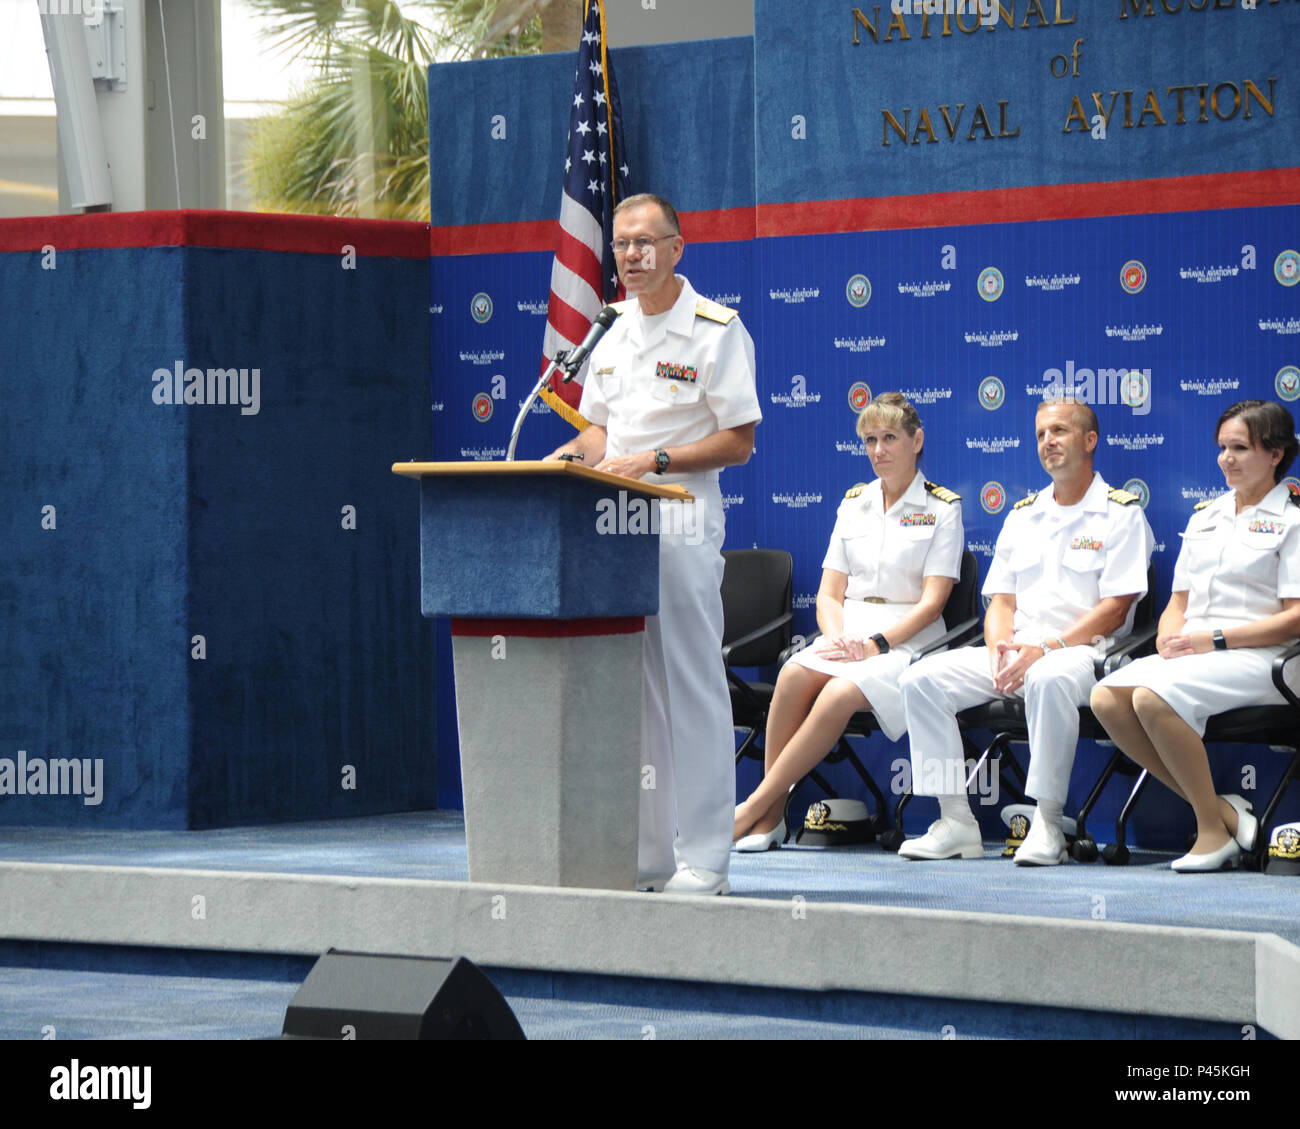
550,750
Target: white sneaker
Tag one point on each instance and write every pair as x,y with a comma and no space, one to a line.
692,880
945,839
1043,846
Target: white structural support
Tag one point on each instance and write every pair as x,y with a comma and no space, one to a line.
138,88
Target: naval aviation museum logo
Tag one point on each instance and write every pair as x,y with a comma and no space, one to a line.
858,291
482,407
993,497
1292,483
480,308
1139,487
1135,390
859,395
1132,277
990,284
992,393
1286,268
1287,382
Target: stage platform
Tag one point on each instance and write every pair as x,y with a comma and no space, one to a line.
855,940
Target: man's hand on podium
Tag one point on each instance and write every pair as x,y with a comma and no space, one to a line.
629,466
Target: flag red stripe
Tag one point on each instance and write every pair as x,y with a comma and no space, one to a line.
580,259
567,321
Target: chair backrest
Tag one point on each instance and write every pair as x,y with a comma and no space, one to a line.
964,600
1144,615
757,588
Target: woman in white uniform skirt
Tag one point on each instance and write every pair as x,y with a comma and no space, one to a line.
894,554
1235,606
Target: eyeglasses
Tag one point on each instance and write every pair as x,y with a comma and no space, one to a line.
642,243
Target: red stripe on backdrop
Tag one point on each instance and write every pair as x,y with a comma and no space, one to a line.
250,231
547,628
1261,188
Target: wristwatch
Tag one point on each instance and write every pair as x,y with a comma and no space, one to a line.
882,644
1220,643
661,460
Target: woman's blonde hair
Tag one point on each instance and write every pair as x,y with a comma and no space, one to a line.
890,409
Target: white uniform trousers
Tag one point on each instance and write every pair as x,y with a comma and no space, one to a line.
937,688
688,802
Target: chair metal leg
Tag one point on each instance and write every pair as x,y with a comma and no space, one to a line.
1117,853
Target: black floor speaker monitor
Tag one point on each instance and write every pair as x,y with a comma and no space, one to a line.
360,996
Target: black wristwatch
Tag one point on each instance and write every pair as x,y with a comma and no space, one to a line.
882,644
661,460
1220,643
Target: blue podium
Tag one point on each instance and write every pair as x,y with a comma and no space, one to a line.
547,571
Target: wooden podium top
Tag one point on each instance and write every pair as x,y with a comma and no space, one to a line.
542,469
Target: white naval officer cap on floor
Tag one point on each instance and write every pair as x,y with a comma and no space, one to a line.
836,823
1018,817
1283,850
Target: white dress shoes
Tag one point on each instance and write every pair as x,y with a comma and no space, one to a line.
1043,846
651,883
762,840
692,880
1226,857
946,838
1247,824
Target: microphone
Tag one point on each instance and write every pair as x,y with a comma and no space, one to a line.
573,361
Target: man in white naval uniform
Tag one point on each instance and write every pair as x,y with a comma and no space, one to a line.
670,392
1068,569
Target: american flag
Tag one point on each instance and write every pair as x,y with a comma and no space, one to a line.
583,276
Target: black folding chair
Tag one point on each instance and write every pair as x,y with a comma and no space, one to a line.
757,611
1005,719
1275,726
961,620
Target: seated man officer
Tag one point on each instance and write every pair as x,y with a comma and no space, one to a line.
1069,566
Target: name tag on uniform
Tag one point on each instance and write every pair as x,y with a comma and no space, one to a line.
1086,543
916,519
665,370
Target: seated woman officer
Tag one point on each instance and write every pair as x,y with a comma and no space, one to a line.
894,554
1235,604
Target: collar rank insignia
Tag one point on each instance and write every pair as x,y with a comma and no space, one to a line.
942,493
1123,497
714,312
1025,501
666,371
854,491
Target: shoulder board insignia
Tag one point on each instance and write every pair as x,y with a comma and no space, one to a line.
854,491
714,312
1123,497
1202,504
942,493
625,305
1025,501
